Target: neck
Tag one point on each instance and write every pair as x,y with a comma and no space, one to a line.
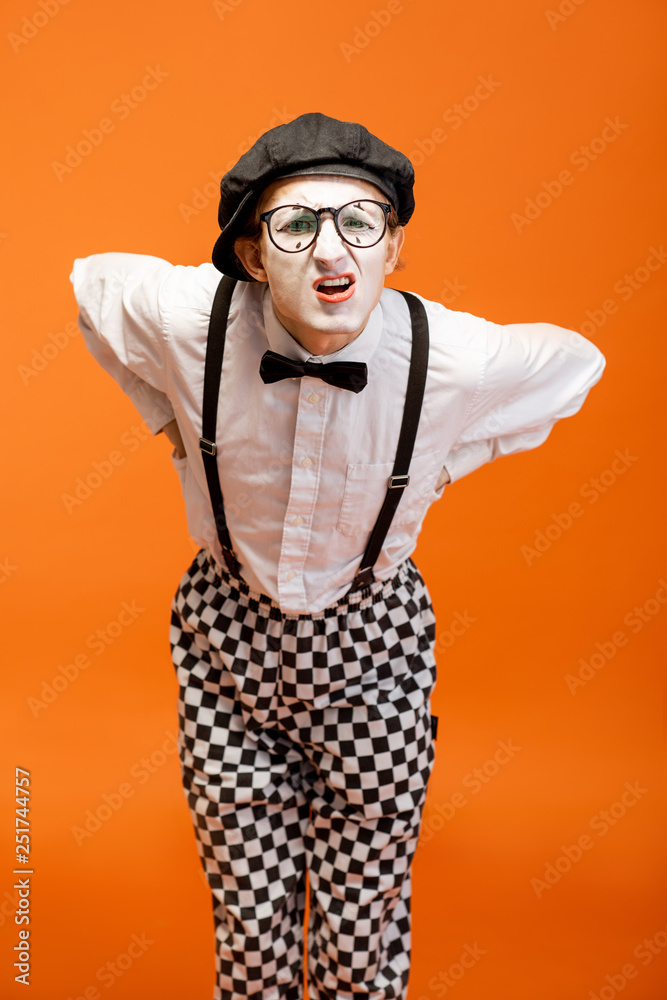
316,342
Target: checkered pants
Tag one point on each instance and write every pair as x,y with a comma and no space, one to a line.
305,744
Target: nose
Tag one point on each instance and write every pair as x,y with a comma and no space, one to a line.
328,245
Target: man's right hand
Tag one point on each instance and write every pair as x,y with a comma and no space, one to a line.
174,435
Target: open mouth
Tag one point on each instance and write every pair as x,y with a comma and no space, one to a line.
335,289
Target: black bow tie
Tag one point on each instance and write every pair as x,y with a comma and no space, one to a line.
352,375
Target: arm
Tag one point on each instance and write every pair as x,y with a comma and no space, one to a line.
121,320
173,433
534,374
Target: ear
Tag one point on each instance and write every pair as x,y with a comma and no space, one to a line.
394,249
251,259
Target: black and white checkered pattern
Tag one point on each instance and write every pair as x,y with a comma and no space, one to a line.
305,743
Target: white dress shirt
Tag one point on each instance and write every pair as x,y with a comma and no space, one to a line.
304,465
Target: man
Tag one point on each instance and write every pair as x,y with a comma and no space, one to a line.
312,410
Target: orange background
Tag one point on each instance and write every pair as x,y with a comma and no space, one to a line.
227,71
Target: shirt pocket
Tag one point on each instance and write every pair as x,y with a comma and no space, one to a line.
366,488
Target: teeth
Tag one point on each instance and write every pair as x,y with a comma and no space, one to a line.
335,281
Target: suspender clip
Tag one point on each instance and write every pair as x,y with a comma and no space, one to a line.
398,482
209,447
364,578
232,562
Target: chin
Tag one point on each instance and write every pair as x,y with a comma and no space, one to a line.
336,324
345,313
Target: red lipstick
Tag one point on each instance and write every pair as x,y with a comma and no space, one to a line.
336,293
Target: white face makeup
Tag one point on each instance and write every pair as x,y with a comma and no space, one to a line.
323,322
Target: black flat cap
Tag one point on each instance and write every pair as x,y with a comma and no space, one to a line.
311,144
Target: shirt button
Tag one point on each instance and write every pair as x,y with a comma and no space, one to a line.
297,520
290,575
306,462
313,398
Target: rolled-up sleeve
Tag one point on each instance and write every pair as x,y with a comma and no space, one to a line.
532,375
122,322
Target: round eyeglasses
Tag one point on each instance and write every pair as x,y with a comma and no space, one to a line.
294,228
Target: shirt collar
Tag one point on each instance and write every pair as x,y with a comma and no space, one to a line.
361,348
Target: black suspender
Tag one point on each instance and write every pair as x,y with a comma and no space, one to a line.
399,478
215,346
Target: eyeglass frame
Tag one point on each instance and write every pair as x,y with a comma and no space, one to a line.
318,212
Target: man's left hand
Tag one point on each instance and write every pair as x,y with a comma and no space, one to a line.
174,435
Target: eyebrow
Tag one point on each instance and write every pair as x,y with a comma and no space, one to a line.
302,204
